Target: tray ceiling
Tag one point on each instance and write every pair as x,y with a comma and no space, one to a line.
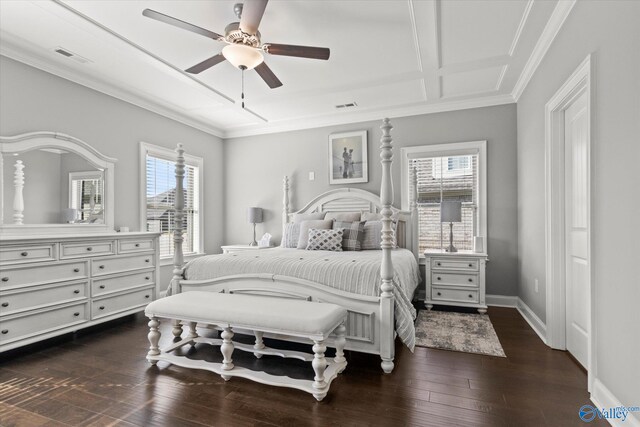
391,58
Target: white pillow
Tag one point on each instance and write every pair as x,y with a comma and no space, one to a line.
308,216
320,224
291,235
343,216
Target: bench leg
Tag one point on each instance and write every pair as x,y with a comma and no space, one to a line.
177,328
227,350
259,345
154,338
319,365
341,341
193,333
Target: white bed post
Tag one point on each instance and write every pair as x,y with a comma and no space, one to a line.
18,199
178,258
413,208
285,203
387,346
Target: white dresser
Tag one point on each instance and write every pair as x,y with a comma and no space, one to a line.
455,279
54,285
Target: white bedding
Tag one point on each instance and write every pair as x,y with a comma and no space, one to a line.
353,271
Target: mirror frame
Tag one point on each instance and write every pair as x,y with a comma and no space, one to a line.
37,140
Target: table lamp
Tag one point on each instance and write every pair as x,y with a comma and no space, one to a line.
255,217
450,211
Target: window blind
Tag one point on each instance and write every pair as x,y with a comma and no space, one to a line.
161,196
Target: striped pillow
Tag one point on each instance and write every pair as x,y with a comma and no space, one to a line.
291,235
353,234
372,238
325,240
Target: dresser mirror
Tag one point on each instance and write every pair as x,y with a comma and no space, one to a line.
54,183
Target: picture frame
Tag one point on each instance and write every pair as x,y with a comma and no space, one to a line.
348,162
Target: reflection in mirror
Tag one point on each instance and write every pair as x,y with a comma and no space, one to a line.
86,198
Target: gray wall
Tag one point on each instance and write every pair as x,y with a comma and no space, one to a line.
611,32
34,100
255,166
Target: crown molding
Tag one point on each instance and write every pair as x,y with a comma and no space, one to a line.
302,123
559,15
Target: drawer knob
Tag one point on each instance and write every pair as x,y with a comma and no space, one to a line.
438,278
147,278
5,304
470,296
5,331
89,248
76,270
470,279
147,260
438,263
24,253
439,294
101,286
77,291
102,307
137,245
76,314
470,265
146,296
5,279
101,267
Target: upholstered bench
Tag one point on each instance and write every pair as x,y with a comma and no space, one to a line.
260,314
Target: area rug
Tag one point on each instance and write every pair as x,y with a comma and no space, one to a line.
465,332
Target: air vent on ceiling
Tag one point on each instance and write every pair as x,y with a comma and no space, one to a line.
349,105
67,53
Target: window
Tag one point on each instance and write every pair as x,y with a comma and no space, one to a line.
159,192
447,172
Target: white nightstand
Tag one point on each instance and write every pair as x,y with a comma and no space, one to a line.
456,278
237,248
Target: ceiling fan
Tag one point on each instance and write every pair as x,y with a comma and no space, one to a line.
244,46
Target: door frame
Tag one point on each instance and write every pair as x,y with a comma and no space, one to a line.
580,82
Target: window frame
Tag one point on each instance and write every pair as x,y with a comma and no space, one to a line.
170,155
449,150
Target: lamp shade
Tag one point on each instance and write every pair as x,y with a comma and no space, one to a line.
450,211
254,215
242,56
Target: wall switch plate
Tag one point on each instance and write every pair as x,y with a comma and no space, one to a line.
312,176
535,285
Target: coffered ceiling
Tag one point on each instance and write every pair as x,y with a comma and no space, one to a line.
390,58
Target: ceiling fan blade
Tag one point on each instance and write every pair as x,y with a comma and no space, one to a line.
267,75
252,12
206,64
299,51
180,24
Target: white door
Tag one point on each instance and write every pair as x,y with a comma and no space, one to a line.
577,229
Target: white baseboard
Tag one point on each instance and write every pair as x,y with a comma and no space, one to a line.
501,301
533,320
602,398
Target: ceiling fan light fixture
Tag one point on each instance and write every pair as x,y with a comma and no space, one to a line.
242,56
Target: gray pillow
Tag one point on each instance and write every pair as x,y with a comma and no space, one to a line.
291,235
371,216
320,224
325,240
308,216
343,216
372,235
353,234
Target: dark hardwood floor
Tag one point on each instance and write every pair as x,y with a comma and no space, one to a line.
101,378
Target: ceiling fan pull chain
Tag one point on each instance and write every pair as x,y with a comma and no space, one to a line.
242,95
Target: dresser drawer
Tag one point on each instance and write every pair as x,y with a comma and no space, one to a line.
122,282
122,302
464,264
41,296
21,327
455,279
458,295
18,254
83,249
126,246
100,267
58,272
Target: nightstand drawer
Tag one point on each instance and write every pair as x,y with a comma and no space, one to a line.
100,267
83,249
458,295
467,264
41,296
121,282
443,279
122,302
19,254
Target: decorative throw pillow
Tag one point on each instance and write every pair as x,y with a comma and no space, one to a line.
325,240
308,216
320,224
353,234
372,238
291,235
343,216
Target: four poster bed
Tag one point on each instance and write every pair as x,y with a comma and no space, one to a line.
376,295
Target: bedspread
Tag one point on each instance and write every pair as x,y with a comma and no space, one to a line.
352,271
